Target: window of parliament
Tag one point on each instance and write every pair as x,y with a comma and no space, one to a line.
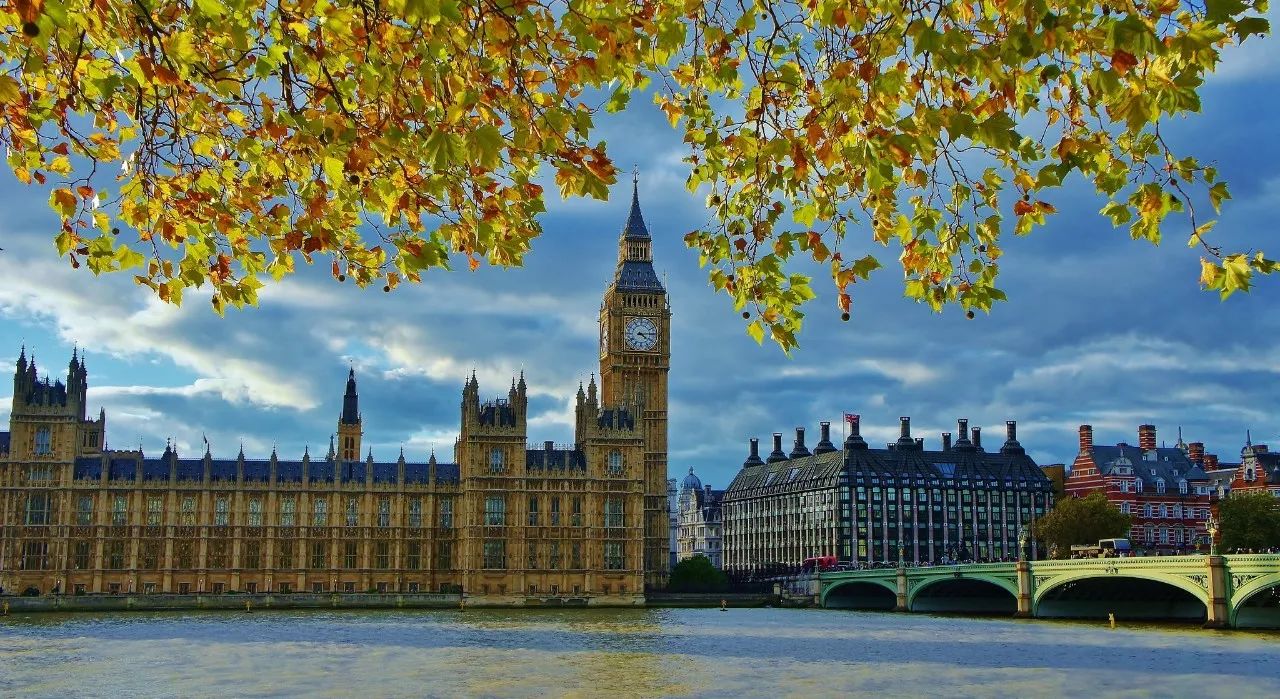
506,522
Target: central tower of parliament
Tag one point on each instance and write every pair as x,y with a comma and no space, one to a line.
509,522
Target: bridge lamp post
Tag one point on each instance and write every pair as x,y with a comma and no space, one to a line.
1022,544
1211,526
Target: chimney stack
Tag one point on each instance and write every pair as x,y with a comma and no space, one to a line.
754,458
1086,439
1210,462
799,449
1147,437
962,434
778,454
1195,451
977,438
855,440
824,445
1011,430
920,443
904,437
946,441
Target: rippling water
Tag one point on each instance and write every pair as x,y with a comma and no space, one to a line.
680,652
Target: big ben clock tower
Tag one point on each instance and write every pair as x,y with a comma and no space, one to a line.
635,356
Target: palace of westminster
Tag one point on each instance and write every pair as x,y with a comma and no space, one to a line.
508,522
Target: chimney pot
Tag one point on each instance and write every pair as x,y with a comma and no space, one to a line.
906,427
977,438
920,443
1086,438
755,447
826,431
1210,461
1195,451
855,424
1147,437
1011,430
946,441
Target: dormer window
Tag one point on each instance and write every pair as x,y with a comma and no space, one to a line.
1159,485
1182,486
1248,474
1137,486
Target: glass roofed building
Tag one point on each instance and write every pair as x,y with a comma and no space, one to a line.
869,506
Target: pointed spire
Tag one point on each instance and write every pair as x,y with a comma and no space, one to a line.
370,457
1248,438
635,220
351,401
240,456
22,355
521,385
331,453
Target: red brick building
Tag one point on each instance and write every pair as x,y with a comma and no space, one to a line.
1259,470
1164,489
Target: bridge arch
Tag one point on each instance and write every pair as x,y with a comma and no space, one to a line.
861,593
980,594
1129,594
1257,603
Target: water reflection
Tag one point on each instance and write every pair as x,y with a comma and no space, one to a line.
668,652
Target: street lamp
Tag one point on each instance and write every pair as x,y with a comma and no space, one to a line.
1022,543
1211,526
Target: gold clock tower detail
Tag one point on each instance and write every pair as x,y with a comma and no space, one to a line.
635,356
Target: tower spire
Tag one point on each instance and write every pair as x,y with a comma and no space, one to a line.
351,401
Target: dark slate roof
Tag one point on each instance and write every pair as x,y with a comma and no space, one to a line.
385,472
1269,462
1170,463
634,275
87,468
804,473
122,469
222,470
352,471
289,471
616,418
448,473
190,469
499,414
4,442
322,471
906,465
555,460
155,469
257,471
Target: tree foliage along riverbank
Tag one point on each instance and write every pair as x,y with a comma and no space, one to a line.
214,144
1080,521
1249,521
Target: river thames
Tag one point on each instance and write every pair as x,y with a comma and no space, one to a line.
650,652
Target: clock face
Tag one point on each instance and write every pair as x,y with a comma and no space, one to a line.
641,334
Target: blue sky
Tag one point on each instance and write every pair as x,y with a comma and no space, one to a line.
1099,329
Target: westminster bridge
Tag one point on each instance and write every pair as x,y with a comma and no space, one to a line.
1222,591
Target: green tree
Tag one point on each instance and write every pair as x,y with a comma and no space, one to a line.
215,143
697,575
1249,521
1081,521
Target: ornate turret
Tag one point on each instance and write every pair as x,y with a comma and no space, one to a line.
635,251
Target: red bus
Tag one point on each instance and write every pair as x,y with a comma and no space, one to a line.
818,563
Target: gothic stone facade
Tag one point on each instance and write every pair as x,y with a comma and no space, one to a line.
508,523
873,506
